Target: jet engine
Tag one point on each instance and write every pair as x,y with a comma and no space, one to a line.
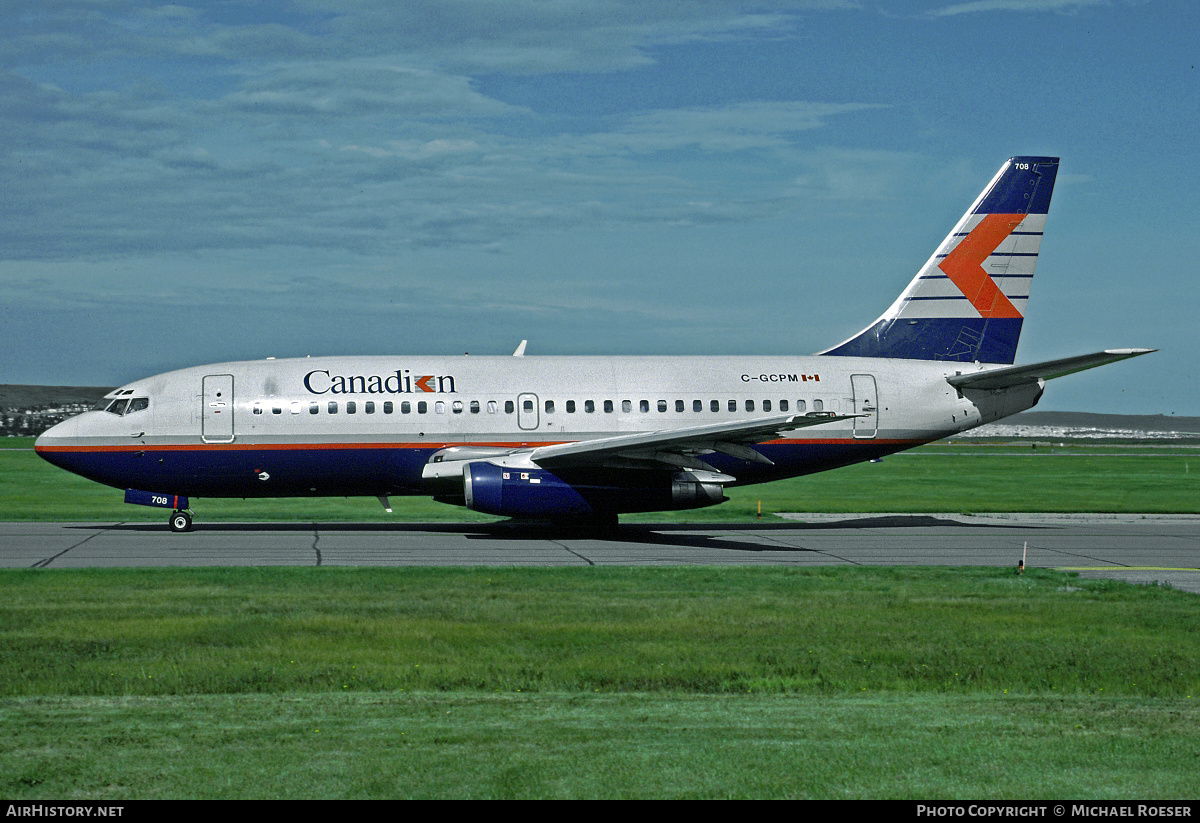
534,492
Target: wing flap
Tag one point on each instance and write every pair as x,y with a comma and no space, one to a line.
671,447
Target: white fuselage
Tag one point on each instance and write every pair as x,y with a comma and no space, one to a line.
369,425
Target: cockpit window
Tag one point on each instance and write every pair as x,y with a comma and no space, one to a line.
127,405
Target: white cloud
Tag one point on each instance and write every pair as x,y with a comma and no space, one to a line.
357,88
736,127
1015,5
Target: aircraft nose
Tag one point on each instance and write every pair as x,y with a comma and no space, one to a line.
57,433
56,436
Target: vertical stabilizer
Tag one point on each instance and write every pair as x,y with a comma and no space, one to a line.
967,302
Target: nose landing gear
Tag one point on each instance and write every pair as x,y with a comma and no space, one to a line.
181,521
181,517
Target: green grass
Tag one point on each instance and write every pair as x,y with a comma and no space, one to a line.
597,682
611,682
711,630
963,477
364,745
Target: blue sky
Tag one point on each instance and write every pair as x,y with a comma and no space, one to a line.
198,182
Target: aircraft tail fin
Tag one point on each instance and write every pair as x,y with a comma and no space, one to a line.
967,302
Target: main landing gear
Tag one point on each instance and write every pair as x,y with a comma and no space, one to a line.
181,521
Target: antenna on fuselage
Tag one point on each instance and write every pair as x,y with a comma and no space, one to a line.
520,352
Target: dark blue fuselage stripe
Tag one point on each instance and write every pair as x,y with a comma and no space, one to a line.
368,472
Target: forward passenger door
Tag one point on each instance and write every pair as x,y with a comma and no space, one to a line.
216,413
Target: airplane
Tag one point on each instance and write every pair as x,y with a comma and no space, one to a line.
584,439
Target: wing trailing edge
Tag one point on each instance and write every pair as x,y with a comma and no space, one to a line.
733,438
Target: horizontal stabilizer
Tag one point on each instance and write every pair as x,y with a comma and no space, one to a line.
1004,378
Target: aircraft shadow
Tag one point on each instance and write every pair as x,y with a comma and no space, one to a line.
699,535
530,529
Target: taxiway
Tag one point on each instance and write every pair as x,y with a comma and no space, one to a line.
1134,548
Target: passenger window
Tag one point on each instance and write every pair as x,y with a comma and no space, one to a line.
570,407
749,405
527,405
456,407
474,407
644,406
766,405
314,408
388,408
257,407
351,407
589,406
492,407
662,405
369,407
508,407
422,407
333,407
678,405
697,406
608,406
818,405
626,406
405,407
439,407
549,407
733,405
714,406
783,405
799,405
276,410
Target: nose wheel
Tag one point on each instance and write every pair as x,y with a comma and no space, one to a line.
181,521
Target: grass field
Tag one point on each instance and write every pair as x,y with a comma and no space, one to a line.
599,682
959,477
612,682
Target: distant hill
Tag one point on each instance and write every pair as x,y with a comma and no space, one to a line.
25,397
27,411
1050,425
1132,422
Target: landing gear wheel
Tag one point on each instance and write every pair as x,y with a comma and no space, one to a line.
181,521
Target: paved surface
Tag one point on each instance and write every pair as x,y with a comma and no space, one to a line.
1136,548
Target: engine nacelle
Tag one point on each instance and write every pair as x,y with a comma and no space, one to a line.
492,489
532,492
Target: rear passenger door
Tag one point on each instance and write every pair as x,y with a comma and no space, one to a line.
866,403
